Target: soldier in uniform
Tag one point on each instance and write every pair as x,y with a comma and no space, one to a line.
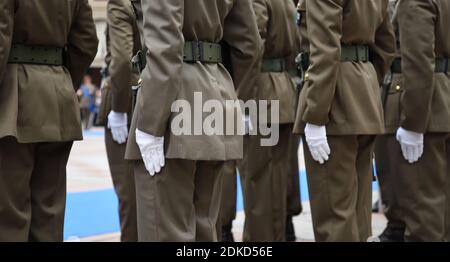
294,204
179,176
386,146
264,170
352,45
418,105
123,41
45,48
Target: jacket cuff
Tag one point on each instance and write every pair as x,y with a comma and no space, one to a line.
315,119
414,125
152,127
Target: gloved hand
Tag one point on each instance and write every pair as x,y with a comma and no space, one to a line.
152,151
411,144
118,123
316,138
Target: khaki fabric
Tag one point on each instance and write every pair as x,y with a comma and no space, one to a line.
32,190
264,174
341,190
38,103
180,204
167,78
122,173
387,157
345,96
424,36
423,190
278,31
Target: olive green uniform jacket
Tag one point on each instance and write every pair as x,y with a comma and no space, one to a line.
167,78
419,99
277,28
345,96
38,103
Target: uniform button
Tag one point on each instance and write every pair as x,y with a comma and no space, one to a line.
140,81
397,88
306,77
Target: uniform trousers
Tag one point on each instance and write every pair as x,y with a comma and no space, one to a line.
229,196
264,175
32,190
424,190
341,189
387,158
294,204
179,204
124,185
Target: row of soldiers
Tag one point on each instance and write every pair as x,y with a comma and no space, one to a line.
174,188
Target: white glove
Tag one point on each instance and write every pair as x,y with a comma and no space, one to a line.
411,144
152,151
118,123
316,138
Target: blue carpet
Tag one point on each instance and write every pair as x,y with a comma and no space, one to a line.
94,133
91,213
96,212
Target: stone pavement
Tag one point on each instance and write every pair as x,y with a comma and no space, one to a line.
88,171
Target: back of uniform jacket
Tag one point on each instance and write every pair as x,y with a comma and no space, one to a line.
165,27
38,102
424,31
345,95
277,27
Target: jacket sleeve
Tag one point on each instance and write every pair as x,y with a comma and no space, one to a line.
161,79
417,20
261,8
324,19
383,49
6,32
241,33
121,36
82,42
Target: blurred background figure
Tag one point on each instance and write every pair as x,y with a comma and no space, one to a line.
88,97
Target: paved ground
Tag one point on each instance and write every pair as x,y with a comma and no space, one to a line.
88,171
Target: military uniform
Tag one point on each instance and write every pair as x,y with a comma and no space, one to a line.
123,41
352,45
264,170
386,154
294,204
45,48
418,101
181,203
